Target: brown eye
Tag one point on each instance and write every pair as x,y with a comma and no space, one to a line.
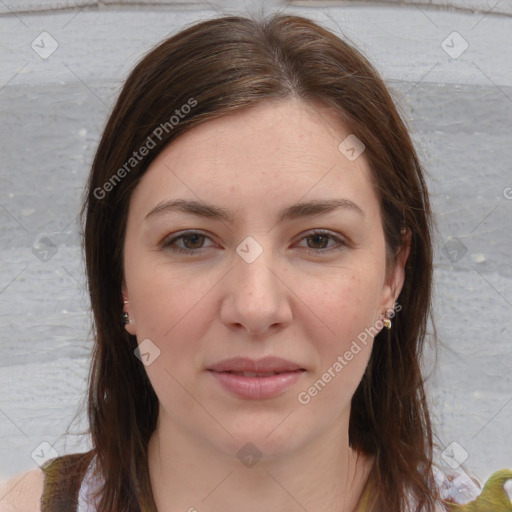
192,240
317,242
195,240
193,243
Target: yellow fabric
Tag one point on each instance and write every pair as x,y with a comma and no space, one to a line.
493,497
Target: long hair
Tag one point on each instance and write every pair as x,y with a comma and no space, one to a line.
208,70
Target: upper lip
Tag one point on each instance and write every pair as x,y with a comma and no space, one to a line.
265,365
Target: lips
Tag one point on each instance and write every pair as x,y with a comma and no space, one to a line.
256,379
261,367
255,374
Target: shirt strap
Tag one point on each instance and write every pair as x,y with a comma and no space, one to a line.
62,481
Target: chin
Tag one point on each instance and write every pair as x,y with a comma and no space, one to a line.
268,437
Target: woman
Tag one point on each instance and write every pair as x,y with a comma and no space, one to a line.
259,257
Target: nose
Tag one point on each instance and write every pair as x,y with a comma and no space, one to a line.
256,296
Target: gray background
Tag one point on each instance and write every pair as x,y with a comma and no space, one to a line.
53,110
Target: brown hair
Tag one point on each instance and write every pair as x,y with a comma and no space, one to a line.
217,67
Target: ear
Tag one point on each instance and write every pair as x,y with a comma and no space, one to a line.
130,327
396,275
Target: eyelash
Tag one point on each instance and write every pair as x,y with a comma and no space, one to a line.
167,244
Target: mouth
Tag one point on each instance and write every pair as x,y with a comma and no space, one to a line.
251,379
257,374
247,367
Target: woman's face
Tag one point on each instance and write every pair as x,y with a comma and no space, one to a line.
256,281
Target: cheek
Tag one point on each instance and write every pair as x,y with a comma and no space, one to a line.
342,330
162,295
345,304
171,307
343,344
171,310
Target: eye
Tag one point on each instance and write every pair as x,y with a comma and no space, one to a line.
321,237
193,242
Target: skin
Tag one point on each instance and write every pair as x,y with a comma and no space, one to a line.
307,308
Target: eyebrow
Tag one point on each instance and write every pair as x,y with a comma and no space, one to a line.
295,211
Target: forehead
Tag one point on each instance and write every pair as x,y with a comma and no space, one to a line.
266,156
270,130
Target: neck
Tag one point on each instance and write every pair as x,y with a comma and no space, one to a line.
188,475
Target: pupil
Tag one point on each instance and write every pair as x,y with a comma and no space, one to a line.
316,237
193,237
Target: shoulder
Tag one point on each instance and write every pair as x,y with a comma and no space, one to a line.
23,492
58,481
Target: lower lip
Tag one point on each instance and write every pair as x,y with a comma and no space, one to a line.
257,387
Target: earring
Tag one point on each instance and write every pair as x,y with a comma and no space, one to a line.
387,322
125,318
